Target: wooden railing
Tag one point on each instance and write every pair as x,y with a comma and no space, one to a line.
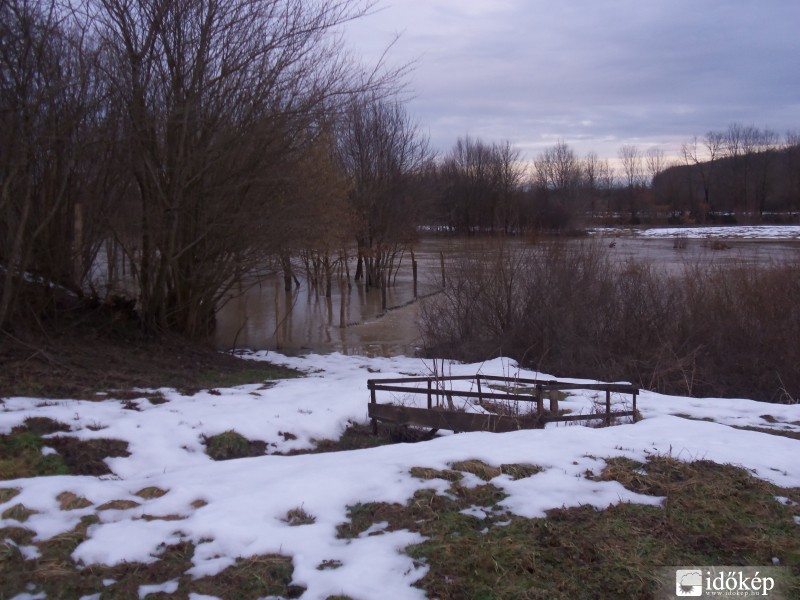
439,416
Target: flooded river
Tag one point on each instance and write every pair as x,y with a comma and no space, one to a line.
264,316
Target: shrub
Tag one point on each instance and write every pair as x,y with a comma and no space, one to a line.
566,308
230,444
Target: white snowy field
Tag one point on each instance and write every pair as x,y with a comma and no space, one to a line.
754,232
247,500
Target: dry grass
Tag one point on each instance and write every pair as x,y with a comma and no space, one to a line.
83,350
151,492
712,330
70,501
56,574
712,515
298,516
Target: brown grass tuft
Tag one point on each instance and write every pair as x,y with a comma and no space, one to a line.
298,516
477,468
149,493
70,501
18,512
118,505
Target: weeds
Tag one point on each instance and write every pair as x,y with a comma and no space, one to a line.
56,575
21,456
230,445
298,516
712,514
715,330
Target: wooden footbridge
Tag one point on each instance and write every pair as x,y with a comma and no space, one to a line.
499,396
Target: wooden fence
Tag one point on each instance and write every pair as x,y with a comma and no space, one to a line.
437,415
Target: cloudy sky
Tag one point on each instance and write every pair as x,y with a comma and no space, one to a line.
595,73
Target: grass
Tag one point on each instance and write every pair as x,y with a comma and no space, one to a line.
359,436
298,516
55,574
712,514
231,444
85,353
21,451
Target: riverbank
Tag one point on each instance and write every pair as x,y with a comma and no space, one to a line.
85,352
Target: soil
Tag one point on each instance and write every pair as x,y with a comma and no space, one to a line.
81,349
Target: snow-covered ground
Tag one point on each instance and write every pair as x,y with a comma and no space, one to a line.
755,232
247,500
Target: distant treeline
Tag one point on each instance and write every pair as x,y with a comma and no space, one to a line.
741,175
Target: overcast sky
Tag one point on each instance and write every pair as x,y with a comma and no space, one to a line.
596,73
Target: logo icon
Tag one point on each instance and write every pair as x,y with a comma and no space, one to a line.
689,583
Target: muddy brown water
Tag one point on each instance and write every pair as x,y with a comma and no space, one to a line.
265,317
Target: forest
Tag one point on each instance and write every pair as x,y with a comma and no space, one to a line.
154,153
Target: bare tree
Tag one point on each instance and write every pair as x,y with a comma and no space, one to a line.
558,170
381,149
703,155
469,187
793,160
766,145
217,99
656,163
47,98
508,175
631,159
739,146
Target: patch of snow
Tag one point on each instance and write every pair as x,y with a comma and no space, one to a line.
170,587
476,511
762,232
246,500
786,501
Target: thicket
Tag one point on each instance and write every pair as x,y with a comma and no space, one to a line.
565,308
161,150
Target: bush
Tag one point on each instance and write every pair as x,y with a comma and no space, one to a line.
565,308
230,444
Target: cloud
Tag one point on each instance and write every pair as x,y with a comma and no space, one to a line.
595,74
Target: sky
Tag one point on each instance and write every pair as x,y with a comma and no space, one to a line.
595,74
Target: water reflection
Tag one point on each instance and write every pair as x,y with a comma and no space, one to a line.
264,316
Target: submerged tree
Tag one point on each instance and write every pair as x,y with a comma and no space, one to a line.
217,101
480,186
381,151
49,115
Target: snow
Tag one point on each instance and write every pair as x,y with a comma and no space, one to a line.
247,500
760,232
170,587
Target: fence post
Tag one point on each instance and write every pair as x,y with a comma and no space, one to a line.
372,400
554,402
539,400
414,272
608,407
480,398
429,393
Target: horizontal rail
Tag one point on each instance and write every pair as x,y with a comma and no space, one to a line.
460,393
381,384
462,421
